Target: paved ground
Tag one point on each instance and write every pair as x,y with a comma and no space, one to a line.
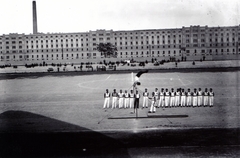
63,115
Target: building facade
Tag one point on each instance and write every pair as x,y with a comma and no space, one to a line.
185,41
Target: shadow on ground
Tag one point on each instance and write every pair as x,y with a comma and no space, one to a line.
25,134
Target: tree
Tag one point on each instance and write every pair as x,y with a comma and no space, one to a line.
108,49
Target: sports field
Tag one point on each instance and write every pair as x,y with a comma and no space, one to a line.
62,116
79,100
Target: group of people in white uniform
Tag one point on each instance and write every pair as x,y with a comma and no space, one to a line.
163,99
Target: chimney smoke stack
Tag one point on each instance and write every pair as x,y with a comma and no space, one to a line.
34,9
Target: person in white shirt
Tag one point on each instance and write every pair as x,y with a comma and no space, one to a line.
145,99
156,93
205,97
161,98
172,98
153,102
120,99
189,98
132,98
177,97
126,99
194,98
167,97
183,98
106,99
211,97
114,99
199,97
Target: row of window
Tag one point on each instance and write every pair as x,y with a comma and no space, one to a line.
52,55
135,47
211,30
174,51
101,39
136,54
59,58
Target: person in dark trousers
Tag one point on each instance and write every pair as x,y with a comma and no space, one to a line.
136,101
137,82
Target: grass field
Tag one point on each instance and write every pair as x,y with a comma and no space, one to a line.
78,100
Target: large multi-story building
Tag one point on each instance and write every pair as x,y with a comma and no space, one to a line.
193,41
185,41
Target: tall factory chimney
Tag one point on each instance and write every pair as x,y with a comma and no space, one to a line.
34,9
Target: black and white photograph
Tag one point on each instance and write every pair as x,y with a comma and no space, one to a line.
119,78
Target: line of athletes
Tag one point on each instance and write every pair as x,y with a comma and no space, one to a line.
180,98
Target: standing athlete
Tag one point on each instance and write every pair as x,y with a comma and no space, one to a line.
189,98
166,97
132,98
194,97
153,102
156,93
145,99
183,98
120,99
126,99
106,99
114,99
172,98
199,97
161,98
211,97
177,97
205,97
136,101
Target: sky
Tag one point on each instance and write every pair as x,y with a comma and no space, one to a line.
66,16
